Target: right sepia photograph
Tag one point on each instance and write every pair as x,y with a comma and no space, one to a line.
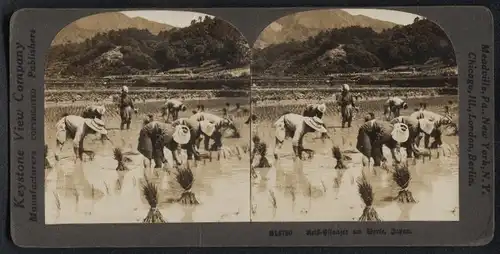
354,118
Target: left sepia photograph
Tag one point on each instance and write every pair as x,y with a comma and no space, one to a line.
147,120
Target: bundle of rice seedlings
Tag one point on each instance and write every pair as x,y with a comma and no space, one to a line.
185,178
309,152
120,158
366,193
121,168
338,156
260,150
402,178
150,193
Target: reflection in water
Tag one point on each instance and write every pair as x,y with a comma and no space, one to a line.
308,191
94,192
313,190
405,211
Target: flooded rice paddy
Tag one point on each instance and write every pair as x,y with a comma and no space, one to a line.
310,190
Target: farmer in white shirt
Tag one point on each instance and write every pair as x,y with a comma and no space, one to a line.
76,128
172,108
393,106
295,126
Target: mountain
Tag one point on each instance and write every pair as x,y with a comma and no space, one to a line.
88,27
356,49
300,26
205,47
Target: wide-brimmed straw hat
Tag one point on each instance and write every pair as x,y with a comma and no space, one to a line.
226,122
345,87
400,133
316,123
447,119
426,126
97,125
101,110
181,135
207,127
322,107
124,89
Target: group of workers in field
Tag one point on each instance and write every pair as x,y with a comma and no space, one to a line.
172,132
176,133
393,130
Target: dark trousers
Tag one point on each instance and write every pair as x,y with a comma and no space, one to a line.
370,145
151,148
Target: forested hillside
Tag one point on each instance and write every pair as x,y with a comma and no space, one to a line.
357,49
89,26
302,25
209,43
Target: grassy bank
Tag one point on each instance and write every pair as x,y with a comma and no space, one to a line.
260,94
361,80
275,94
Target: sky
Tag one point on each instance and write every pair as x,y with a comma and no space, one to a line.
398,17
183,19
173,18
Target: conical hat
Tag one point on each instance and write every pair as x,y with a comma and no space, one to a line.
345,87
322,107
226,122
426,126
97,125
207,127
447,119
400,133
181,135
100,109
316,123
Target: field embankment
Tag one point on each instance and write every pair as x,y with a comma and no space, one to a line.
257,94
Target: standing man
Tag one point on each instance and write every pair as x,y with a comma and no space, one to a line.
347,106
126,108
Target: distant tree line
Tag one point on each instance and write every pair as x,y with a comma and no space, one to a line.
356,49
206,42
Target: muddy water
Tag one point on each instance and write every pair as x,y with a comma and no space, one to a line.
90,193
312,190
94,192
